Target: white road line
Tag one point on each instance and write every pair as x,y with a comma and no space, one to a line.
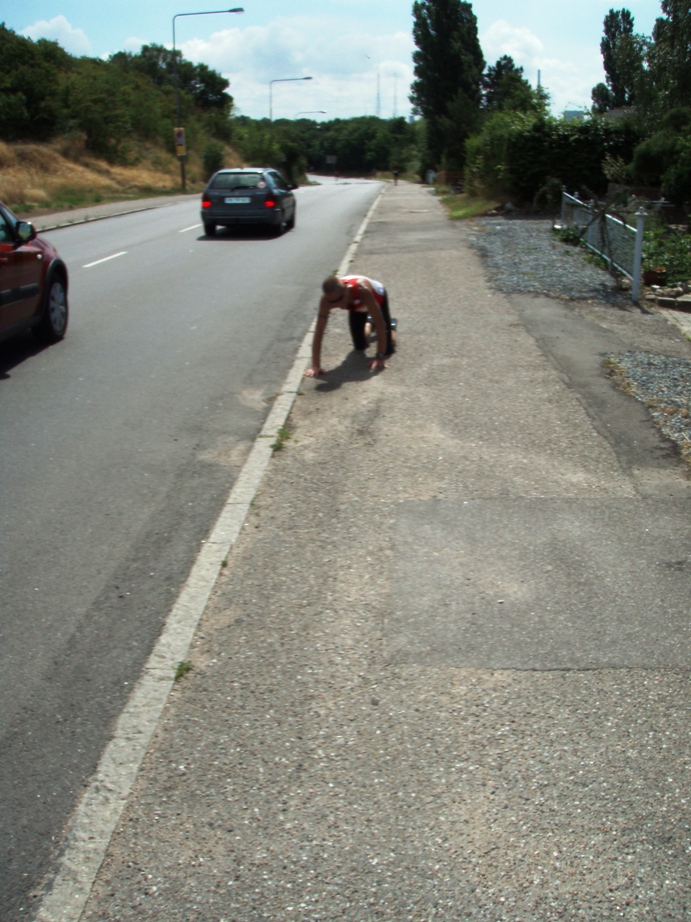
185,229
104,260
98,813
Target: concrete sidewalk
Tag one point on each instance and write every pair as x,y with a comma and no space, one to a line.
444,674
96,212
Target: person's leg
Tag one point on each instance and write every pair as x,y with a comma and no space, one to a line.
356,322
390,337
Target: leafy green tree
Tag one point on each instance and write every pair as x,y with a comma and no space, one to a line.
617,23
624,57
664,158
448,75
505,87
205,88
257,142
669,57
97,99
601,97
30,86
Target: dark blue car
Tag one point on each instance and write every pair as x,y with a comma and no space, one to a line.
251,195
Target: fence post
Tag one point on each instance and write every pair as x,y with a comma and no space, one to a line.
641,215
563,206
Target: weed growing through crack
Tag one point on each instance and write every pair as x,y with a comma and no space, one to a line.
281,438
183,667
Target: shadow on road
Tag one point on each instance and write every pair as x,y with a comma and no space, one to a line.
17,350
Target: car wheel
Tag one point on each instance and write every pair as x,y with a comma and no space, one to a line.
209,228
53,324
291,223
280,228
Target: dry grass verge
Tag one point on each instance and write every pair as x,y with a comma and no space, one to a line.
37,178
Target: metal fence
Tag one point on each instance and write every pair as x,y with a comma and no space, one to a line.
620,244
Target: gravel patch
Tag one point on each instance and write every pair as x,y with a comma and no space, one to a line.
663,384
524,255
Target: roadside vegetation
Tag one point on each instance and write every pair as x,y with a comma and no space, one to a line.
461,205
490,128
81,130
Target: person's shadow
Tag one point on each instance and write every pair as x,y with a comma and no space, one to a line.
353,368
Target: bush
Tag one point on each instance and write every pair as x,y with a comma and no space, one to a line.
665,248
212,158
518,154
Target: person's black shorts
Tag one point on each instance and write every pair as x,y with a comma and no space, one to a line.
357,321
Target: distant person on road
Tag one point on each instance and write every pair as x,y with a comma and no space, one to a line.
395,174
367,304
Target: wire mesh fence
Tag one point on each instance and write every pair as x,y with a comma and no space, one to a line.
616,241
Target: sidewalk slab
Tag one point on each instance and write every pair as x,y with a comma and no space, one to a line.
544,584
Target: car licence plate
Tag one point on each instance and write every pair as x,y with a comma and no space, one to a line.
238,201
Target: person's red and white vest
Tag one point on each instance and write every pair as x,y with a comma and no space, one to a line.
353,282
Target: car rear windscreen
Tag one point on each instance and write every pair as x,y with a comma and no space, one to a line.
236,181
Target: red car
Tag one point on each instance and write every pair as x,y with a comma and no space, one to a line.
33,282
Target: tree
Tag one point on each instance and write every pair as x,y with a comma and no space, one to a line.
505,88
617,24
624,56
670,56
30,86
601,96
205,87
448,75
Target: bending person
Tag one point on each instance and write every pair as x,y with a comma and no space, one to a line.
367,304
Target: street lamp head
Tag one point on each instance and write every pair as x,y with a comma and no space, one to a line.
235,9
271,88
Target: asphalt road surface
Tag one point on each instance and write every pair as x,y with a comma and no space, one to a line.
119,446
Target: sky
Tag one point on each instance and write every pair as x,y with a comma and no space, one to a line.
358,53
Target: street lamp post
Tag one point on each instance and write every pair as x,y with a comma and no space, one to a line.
271,89
179,130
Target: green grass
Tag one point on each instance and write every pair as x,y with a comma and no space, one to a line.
465,206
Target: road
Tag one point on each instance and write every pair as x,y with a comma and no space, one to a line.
119,446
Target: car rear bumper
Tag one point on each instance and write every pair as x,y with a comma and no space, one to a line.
268,217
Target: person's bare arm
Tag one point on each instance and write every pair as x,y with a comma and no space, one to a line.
375,313
315,368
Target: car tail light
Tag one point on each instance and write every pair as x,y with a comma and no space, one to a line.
269,203
206,202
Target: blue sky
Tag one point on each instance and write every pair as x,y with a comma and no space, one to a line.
358,52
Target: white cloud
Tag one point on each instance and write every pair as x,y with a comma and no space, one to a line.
343,67
59,30
133,45
568,82
518,42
